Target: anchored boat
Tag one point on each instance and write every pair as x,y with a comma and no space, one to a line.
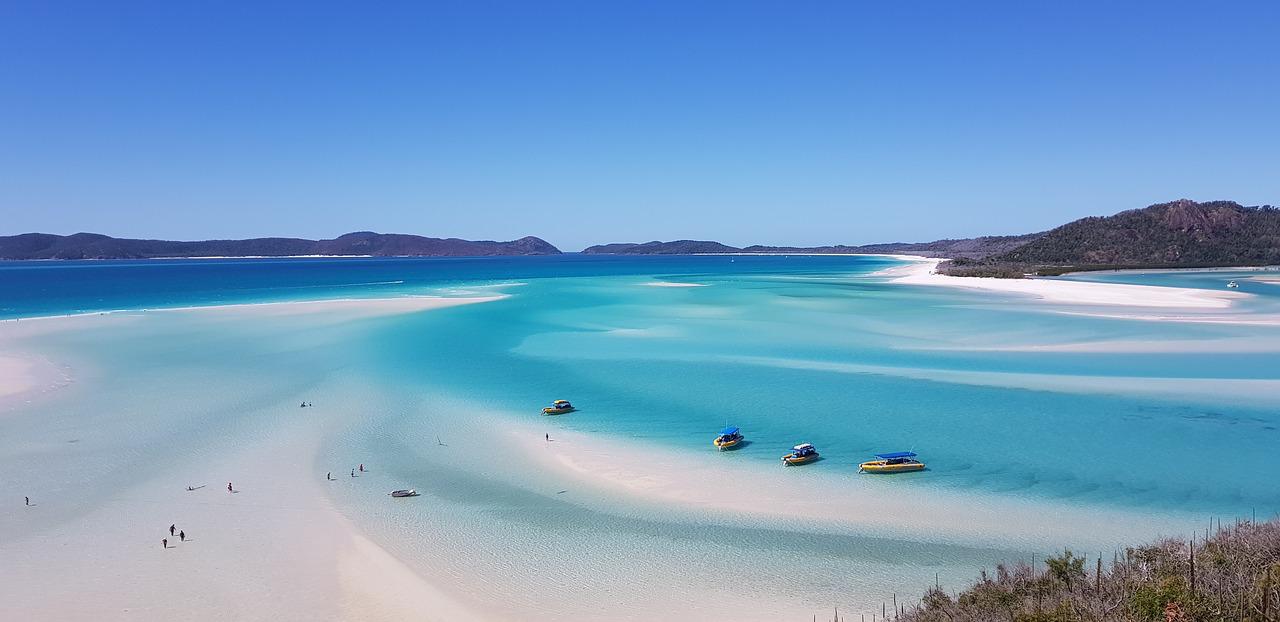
898,462
558,407
1233,284
729,438
800,454
408,492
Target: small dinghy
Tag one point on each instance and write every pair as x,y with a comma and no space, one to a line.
409,492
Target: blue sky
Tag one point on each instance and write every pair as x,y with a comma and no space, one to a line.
587,122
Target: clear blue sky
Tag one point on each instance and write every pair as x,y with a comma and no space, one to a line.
598,121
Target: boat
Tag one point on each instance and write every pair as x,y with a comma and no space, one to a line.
728,439
897,462
558,407
1233,284
800,454
408,492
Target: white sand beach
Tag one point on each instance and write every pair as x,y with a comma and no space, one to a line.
922,271
273,549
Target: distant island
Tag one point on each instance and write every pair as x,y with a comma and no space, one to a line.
364,243
1178,234
968,247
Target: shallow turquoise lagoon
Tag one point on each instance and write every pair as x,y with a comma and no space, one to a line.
1006,398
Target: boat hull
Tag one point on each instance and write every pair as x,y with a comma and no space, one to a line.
727,444
557,411
799,460
881,467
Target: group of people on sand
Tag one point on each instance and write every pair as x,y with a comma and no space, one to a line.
182,535
305,405
329,476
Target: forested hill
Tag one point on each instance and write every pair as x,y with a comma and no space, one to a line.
1180,233
96,246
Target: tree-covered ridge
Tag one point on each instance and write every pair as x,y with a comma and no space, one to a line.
1180,233
97,246
677,247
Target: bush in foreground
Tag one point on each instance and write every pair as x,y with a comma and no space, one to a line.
1233,575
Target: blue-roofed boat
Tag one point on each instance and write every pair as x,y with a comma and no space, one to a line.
896,462
800,454
729,438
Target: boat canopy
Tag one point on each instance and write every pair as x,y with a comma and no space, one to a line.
802,447
729,431
898,454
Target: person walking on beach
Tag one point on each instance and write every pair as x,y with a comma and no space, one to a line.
329,476
353,472
171,529
27,499
182,535
548,435
164,542
229,487
362,467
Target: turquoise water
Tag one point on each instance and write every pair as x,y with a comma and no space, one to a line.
673,365
1007,400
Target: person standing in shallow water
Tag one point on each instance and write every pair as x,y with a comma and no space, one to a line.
182,536
171,529
164,542
27,500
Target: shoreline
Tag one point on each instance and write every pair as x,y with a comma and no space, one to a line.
922,271
294,554
843,501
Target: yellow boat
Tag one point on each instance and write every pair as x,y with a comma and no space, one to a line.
800,454
899,462
728,439
558,407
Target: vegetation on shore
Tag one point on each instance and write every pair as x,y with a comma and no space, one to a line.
1180,234
1230,574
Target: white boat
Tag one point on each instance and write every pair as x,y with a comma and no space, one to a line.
1233,284
408,492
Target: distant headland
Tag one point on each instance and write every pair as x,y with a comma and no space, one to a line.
1178,234
364,243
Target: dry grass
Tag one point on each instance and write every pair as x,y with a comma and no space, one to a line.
1233,575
